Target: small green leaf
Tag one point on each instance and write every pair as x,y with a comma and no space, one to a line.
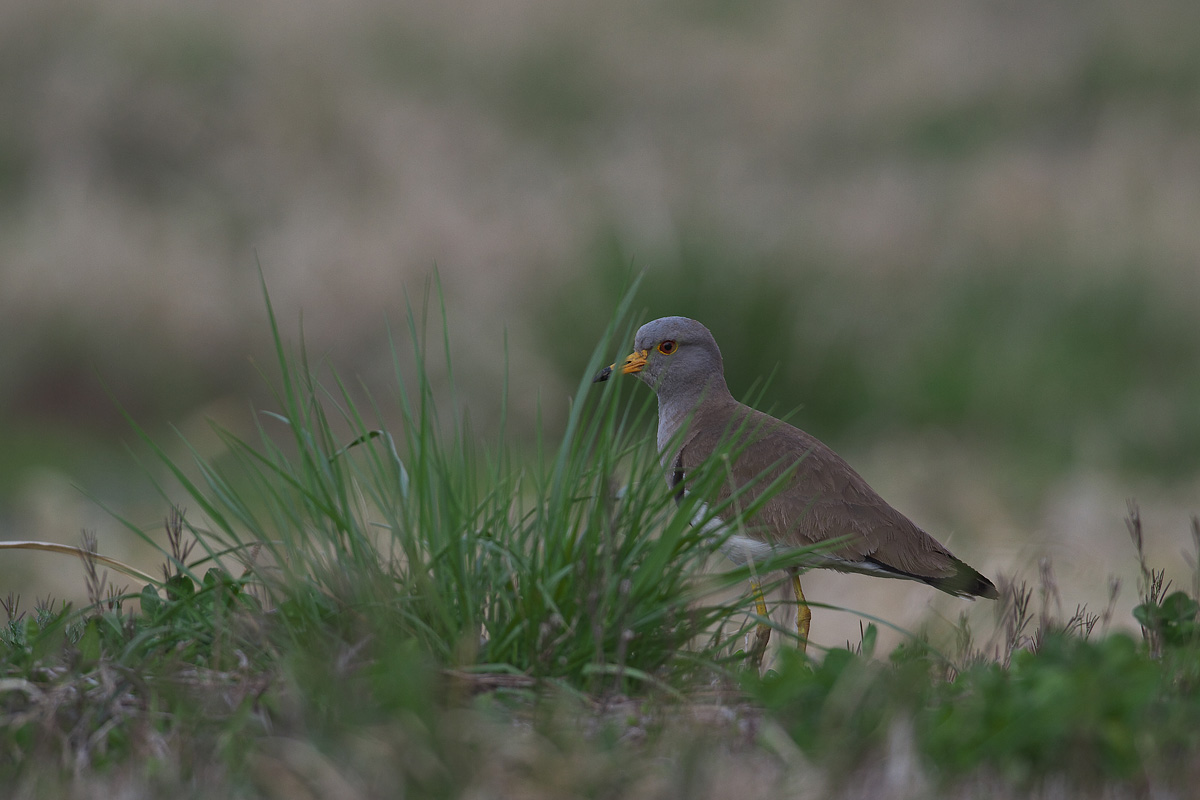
89,642
868,640
217,576
1179,607
180,587
1147,614
151,602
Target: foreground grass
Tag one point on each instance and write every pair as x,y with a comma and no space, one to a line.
368,613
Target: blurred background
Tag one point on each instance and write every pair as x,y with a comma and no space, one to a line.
961,239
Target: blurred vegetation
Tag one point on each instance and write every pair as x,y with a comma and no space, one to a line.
981,222
1101,712
362,612
971,219
1019,358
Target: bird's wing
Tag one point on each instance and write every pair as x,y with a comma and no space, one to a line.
823,499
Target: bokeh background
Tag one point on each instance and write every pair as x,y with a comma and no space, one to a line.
961,238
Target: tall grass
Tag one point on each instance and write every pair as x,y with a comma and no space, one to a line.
377,559
576,564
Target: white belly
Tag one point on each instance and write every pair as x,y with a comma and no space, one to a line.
740,549
737,548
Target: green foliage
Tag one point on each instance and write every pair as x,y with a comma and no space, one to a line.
1076,704
387,572
1094,711
189,622
101,686
1174,620
26,641
837,710
420,532
1019,352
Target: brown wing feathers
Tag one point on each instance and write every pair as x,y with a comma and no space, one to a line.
824,499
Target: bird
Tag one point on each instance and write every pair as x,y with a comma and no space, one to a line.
818,497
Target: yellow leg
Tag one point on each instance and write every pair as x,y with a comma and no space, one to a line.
762,632
803,613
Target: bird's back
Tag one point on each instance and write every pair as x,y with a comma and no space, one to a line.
824,499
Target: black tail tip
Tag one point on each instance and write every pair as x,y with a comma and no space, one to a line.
968,583
985,588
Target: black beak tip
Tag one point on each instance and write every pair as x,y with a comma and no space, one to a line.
603,375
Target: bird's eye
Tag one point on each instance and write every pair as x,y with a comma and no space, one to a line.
667,347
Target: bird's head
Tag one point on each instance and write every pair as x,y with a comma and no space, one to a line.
674,356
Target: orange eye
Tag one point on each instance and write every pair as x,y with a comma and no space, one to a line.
667,347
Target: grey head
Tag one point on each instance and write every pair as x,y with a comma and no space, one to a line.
679,359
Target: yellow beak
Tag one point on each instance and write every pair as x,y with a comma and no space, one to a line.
633,363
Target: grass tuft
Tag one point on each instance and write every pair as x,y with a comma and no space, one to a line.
370,598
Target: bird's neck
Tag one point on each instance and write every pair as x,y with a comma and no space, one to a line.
680,407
